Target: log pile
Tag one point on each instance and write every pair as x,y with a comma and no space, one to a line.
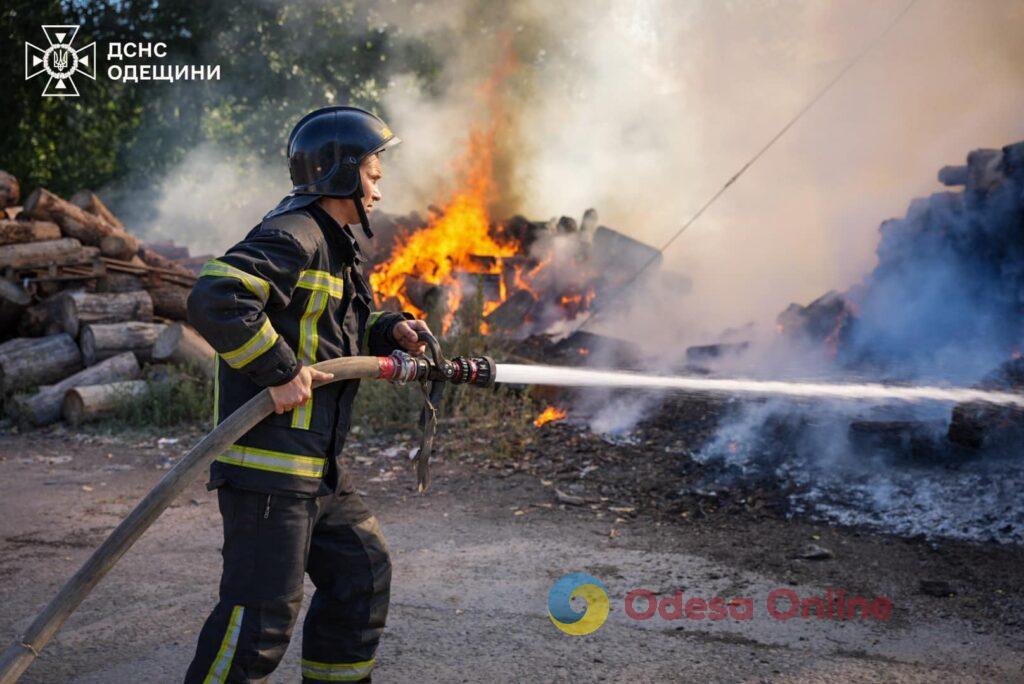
83,303
515,278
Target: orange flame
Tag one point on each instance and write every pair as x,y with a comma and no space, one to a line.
438,252
458,239
549,414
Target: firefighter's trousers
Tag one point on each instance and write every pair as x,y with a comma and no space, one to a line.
269,543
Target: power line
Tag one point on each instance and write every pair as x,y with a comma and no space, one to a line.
750,162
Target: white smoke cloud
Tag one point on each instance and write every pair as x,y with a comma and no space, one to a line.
643,108
211,200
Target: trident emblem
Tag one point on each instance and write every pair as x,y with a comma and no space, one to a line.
60,61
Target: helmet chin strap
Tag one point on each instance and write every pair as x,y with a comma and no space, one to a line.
364,220
357,199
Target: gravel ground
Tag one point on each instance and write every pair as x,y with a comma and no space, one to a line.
475,558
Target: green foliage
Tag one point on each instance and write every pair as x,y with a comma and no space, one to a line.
179,396
278,60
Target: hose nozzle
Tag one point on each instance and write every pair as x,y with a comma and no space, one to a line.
433,370
401,368
472,370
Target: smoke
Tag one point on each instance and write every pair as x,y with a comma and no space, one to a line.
944,304
210,201
643,109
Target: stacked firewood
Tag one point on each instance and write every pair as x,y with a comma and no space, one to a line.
83,304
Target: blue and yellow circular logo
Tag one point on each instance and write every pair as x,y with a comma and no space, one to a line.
560,608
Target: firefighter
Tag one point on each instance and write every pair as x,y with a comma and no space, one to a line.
290,294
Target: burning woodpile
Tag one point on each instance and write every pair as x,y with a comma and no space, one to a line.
83,303
522,277
519,276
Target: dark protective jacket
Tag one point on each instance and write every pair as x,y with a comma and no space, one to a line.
291,293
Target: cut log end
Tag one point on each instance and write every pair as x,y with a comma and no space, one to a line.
92,402
101,341
10,189
181,344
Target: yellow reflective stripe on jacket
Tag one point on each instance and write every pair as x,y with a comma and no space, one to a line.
322,281
263,340
308,341
220,269
222,663
216,390
273,461
371,321
336,672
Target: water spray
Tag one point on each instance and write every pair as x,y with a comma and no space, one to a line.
513,373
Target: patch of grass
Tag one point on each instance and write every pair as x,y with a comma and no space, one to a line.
500,413
173,397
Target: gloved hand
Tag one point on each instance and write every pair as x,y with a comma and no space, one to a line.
405,336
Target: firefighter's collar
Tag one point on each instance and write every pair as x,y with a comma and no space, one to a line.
336,233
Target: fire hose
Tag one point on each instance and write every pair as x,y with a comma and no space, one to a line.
399,368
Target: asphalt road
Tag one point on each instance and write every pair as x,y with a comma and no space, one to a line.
471,577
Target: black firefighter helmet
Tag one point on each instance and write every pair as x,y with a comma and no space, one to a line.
325,150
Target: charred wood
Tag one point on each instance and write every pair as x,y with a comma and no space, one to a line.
511,313
423,295
976,425
710,352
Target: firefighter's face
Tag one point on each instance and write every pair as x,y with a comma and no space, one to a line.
344,210
370,173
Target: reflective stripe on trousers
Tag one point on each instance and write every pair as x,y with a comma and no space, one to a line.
336,672
222,664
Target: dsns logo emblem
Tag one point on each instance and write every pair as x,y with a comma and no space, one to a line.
59,61
561,612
